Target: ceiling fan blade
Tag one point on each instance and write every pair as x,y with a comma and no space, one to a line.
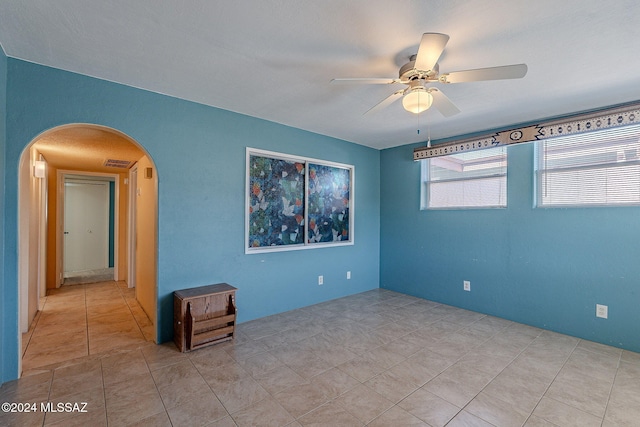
443,104
385,102
366,81
431,47
516,71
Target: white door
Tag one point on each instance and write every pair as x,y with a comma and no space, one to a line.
86,225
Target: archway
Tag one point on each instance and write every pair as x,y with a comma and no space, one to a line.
93,152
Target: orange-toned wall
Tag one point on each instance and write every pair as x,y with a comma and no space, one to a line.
146,239
52,218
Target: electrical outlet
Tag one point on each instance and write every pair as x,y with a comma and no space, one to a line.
602,311
466,285
348,275
320,280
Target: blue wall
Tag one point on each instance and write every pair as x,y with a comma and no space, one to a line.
544,267
3,132
199,153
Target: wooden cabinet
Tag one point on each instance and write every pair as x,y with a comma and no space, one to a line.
203,316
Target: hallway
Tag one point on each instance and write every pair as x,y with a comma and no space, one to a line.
82,320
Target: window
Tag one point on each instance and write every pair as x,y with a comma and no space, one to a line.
599,168
475,179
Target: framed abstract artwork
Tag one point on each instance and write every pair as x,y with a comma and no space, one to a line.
328,203
296,203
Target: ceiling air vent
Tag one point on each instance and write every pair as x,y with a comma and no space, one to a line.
123,164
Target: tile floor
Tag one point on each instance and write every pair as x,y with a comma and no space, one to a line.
82,320
89,276
378,358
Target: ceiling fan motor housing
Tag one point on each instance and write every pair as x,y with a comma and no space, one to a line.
408,72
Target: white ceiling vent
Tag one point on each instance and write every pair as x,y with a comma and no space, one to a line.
123,164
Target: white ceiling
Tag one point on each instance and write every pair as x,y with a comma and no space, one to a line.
273,59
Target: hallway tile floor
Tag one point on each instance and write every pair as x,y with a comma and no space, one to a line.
81,320
378,358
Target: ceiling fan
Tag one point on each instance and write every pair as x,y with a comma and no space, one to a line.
422,70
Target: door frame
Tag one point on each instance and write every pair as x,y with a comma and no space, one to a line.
131,226
61,175
102,187
42,236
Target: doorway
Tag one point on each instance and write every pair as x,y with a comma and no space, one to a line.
89,151
86,237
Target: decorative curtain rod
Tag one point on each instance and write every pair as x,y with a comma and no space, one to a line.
608,118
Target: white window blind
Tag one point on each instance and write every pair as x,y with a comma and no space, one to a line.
475,179
599,168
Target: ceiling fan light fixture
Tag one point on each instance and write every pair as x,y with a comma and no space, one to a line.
417,101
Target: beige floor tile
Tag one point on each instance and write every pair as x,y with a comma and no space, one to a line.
334,382
63,316
465,419
184,391
238,394
132,400
581,391
630,357
245,350
259,364
161,419
93,419
336,355
211,357
34,387
592,363
496,411
453,392
309,365
76,378
397,416
171,374
67,322
330,414
395,384
267,412
222,376
300,399
550,341
364,403
488,363
122,366
562,414
279,379
451,345
430,408
600,348
90,409
544,366
36,357
622,411
384,356
465,374
44,329
23,419
408,345
158,356
361,368
228,422
497,370
200,410
108,342
518,389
